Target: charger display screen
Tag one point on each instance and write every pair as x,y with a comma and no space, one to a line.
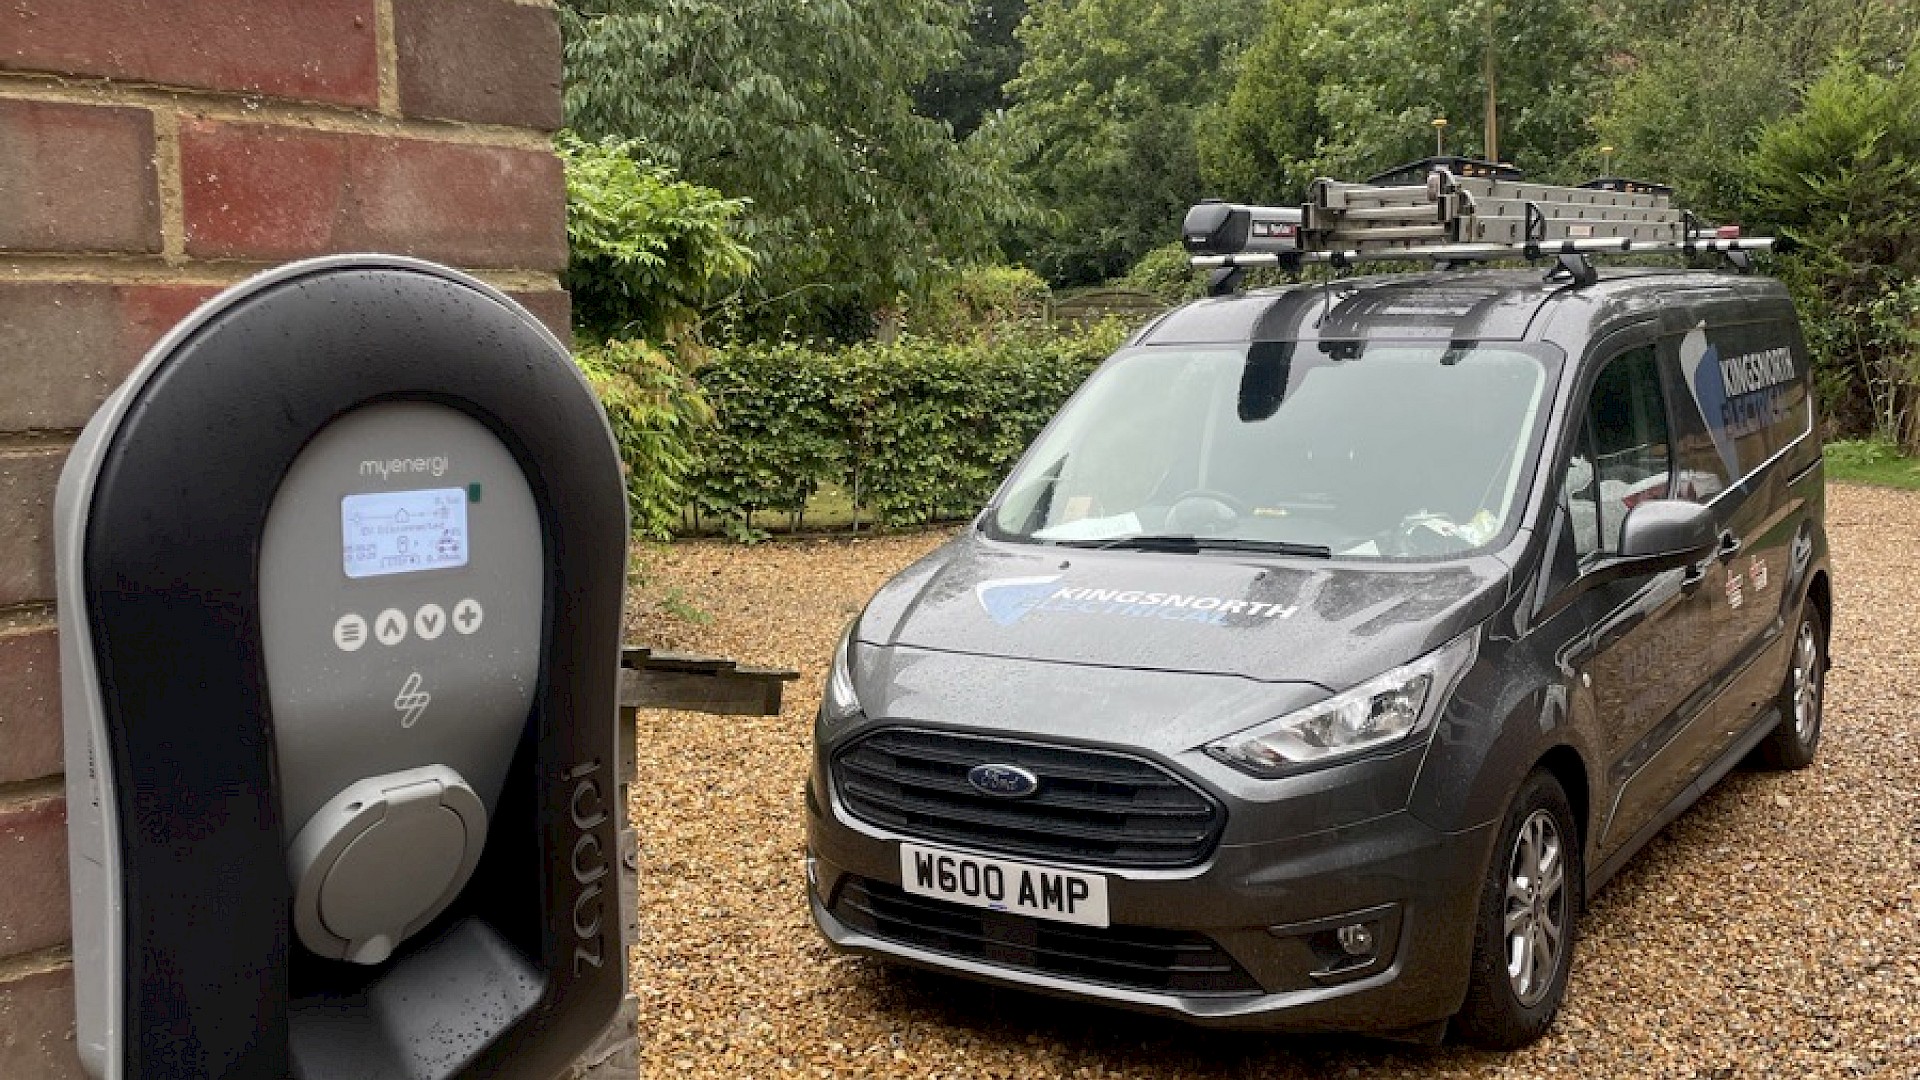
401,532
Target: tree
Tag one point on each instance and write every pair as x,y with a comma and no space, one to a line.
1262,144
1699,80
970,90
1841,176
1347,88
1686,112
649,254
1102,123
1842,173
804,108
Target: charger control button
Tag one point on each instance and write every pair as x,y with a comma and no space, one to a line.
390,626
430,621
350,632
467,615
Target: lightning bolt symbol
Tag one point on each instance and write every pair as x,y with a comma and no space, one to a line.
411,701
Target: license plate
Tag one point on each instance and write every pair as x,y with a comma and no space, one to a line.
1044,892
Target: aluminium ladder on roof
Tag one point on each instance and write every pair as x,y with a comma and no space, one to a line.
1450,209
1454,219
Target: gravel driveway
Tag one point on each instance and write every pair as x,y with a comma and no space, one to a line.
1770,932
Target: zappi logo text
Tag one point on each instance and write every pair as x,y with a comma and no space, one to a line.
1010,600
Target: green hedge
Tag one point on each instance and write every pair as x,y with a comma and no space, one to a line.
914,430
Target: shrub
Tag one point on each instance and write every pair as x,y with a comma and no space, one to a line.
648,253
775,437
1861,453
1165,273
979,301
658,415
916,430
1841,176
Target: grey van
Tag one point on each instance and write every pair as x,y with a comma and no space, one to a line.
1332,646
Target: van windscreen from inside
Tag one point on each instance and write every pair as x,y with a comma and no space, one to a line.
1364,450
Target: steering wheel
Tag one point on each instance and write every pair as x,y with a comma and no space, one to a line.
1203,509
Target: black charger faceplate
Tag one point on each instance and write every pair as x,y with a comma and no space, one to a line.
172,543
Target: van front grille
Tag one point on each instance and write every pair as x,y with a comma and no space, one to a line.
1091,806
1132,957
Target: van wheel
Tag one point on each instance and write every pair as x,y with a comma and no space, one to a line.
1793,744
1523,938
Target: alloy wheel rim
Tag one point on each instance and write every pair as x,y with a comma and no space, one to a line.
1806,684
1535,916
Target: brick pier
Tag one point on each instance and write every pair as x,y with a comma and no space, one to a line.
151,153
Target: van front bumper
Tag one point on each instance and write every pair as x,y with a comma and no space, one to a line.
1273,909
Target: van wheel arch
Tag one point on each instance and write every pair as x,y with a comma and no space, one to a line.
1820,595
1567,766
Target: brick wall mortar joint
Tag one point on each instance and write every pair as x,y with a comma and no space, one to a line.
387,48
19,794
37,962
19,620
32,268
166,167
253,109
24,443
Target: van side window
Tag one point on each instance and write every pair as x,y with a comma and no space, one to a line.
1622,457
1703,471
1746,386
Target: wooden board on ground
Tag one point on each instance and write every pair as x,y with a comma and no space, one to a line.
710,684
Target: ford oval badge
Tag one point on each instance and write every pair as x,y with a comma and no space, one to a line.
1005,781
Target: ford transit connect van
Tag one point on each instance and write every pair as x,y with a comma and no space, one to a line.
1332,646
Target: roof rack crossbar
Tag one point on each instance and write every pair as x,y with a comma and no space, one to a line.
1488,252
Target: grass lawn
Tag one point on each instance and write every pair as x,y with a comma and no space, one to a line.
1859,461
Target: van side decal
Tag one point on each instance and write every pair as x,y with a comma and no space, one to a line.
1700,361
1738,395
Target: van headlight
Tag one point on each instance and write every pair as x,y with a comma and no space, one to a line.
1379,711
839,702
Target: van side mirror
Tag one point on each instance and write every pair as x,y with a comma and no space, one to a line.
1667,529
1658,535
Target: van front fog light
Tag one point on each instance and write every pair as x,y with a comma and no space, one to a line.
1374,714
1355,939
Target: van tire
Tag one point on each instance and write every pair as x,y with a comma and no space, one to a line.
1793,744
1503,1012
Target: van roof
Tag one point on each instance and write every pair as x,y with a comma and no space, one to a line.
1450,305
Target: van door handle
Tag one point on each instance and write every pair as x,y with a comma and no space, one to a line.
1729,546
1696,573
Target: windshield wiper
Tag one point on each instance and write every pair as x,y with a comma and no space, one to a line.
1180,542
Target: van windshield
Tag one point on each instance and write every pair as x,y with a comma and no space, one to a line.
1374,450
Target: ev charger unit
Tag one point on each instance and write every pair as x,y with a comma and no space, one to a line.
340,578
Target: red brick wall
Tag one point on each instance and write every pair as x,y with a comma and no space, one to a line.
151,152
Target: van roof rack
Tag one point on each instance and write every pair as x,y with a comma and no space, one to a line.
1453,211
1415,172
